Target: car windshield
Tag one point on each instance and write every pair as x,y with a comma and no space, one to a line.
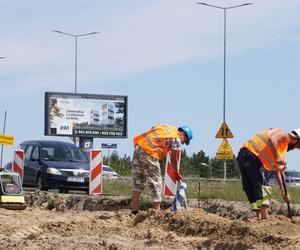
71,154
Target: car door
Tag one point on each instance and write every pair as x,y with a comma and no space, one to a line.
27,172
35,164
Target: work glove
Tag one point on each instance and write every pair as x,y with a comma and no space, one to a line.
178,176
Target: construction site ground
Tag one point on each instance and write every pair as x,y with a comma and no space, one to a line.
77,221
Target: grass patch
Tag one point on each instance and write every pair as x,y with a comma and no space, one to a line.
228,190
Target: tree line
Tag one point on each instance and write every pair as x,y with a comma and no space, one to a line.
197,165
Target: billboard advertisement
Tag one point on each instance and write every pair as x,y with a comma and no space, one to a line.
86,115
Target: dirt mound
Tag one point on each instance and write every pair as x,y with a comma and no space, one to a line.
211,231
71,221
36,228
228,209
62,202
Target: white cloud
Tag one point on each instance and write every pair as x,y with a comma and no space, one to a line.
134,37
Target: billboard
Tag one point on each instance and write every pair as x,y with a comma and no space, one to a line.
86,115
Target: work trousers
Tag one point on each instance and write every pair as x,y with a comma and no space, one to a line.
253,177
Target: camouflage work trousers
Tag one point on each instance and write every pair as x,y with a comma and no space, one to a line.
146,169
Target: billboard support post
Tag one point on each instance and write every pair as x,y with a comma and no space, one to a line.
109,146
3,134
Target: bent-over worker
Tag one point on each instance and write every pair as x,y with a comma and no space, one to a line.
265,152
149,148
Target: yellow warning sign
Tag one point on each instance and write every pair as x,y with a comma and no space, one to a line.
224,151
6,140
224,132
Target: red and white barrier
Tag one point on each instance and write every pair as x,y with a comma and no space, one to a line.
95,186
170,185
18,163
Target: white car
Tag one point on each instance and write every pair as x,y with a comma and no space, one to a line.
109,173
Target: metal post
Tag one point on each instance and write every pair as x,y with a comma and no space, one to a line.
199,193
199,190
75,36
3,134
224,90
76,63
224,169
224,85
108,158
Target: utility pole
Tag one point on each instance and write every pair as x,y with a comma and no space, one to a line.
224,65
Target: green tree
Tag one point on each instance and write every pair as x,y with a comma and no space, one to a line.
197,165
120,165
217,167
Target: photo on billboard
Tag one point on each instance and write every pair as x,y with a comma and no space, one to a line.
87,115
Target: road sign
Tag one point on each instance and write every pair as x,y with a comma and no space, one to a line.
224,132
224,151
7,140
109,145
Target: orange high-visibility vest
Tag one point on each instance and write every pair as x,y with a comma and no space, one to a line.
153,141
262,148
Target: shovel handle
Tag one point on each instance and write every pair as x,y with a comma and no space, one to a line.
285,193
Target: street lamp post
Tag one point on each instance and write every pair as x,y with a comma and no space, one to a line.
75,36
224,77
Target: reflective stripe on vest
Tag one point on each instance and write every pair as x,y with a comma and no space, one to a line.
263,149
151,143
254,144
156,148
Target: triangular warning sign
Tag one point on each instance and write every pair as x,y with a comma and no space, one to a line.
224,147
224,151
224,132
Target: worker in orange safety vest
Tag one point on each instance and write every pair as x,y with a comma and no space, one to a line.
265,152
149,148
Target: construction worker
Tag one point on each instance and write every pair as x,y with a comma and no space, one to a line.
265,152
149,148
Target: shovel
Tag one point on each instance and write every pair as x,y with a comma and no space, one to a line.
293,220
288,203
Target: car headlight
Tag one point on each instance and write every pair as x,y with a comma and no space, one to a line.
53,171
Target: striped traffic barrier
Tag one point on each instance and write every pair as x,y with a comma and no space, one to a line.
170,184
95,185
18,163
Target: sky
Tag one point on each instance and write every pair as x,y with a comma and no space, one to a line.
166,56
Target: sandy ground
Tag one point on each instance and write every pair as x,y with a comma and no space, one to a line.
69,221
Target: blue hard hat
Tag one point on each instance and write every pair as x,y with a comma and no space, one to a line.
188,132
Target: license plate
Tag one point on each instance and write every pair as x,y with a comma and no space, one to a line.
75,179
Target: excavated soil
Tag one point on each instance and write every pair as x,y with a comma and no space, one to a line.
74,221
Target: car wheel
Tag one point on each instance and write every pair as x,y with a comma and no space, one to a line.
61,190
40,183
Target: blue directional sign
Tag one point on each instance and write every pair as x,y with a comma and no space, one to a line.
109,145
